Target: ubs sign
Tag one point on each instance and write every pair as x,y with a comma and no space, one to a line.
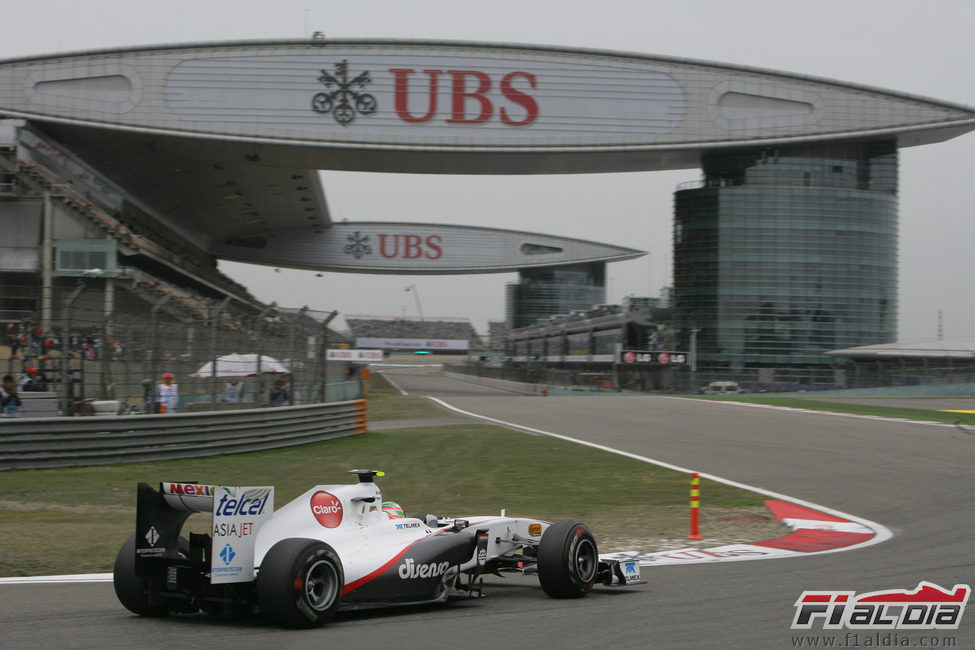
439,96
389,246
409,246
469,102
374,247
469,87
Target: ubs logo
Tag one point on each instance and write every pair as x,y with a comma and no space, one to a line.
395,246
358,245
343,98
470,97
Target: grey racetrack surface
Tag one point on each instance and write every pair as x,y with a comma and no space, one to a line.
915,479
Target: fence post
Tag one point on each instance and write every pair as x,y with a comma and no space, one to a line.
47,262
260,349
65,336
214,328
150,394
324,353
107,349
291,354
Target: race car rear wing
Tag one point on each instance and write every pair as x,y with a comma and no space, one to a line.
238,513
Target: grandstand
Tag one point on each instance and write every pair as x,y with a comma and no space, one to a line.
438,334
147,260
628,346
123,296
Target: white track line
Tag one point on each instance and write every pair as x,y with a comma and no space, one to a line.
387,376
80,578
881,532
796,409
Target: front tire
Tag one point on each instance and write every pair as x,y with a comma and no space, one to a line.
567,560
300,583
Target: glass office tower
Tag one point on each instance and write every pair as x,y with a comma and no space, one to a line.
783,254
549,291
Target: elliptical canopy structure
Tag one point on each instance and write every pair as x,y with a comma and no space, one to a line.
217,145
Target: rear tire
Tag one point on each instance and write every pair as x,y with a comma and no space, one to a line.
300,583
567,560
133,590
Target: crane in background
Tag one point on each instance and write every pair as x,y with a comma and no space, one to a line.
416,296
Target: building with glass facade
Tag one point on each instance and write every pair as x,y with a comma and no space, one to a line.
545,292
782,254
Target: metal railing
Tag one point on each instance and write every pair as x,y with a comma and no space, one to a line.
73,442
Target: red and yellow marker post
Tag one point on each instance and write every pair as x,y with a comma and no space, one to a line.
695,506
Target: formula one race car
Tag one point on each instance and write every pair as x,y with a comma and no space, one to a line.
336,547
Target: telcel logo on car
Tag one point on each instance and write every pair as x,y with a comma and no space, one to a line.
327,509
250,504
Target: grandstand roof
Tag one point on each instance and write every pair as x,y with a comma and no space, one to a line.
221,140
404,333
955,348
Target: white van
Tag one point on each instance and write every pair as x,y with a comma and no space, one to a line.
723,388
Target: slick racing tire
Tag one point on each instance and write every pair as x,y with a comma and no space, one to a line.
133,590
567,560
300,583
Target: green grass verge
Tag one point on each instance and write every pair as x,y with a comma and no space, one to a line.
74,520
926,415
385,403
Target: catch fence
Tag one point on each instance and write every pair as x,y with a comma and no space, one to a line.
105,345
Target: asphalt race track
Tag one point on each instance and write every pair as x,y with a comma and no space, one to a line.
915,479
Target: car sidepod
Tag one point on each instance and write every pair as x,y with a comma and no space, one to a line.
421,573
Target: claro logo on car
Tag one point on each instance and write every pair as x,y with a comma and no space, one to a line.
327,509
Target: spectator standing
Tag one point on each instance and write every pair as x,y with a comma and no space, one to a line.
34,340
233,390
279,394
167,394
17,340
9,399
34,381
11,338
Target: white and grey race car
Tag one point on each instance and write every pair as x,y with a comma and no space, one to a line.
334,548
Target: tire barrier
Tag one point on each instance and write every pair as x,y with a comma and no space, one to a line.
106,440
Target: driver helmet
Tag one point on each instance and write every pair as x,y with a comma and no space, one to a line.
393,510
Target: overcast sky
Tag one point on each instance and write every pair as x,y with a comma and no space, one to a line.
924,48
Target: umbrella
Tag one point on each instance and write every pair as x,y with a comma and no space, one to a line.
241,365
